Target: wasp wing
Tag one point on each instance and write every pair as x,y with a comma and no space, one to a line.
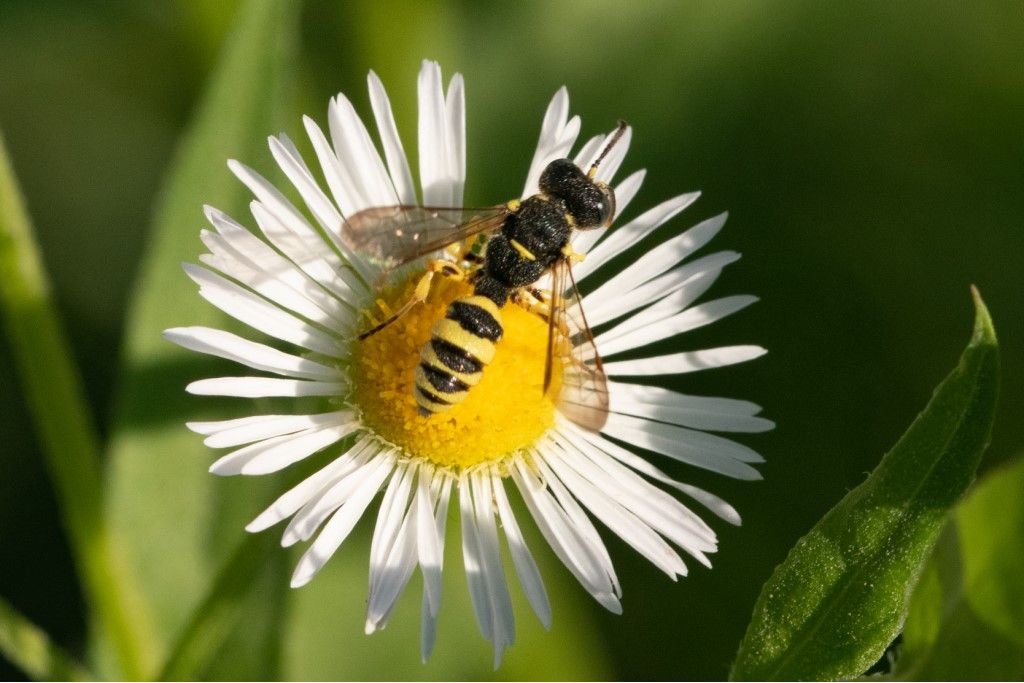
389,236
583,396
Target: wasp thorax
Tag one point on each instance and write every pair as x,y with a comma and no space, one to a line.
590,203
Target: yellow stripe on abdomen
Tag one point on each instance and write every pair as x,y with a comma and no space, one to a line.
452,362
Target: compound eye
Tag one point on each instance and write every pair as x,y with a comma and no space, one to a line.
607,211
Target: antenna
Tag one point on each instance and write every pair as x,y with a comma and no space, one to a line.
620,129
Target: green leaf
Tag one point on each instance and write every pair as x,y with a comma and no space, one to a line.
30,649
62,419
831,608
181,523
966,618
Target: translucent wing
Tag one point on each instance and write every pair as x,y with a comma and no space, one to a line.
389,236
583,397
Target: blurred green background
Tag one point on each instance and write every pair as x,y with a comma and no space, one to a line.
871,155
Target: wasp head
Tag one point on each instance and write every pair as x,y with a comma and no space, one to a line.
591,203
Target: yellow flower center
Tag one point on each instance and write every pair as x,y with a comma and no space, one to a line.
505,412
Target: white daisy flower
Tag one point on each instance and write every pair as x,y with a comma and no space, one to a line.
297,282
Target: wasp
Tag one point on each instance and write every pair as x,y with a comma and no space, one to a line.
523,241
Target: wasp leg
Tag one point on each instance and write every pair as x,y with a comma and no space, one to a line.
419,295
533,300
572,254
455,250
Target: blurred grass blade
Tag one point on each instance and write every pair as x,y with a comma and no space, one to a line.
966,617
181,524
26,646
62,419
831,608
215,619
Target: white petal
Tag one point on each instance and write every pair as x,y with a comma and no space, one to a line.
344,279
622,522
334,171
504,628
622,237
555,118
686,445
390,573
367,463
393,507
711,443
690,319
442,508
473,562
428,629
428,544
687,361
261,315
229,433
293,235
455,105
276,453
246,258
662,258
616,302
655,403
278,206
256,356
526,568
627,189
437,177
394,577
713,503
259,278
295,168
297,496
579,519
565,540
338,528
398,165
610,165
428,623
259,387
215,426
662,309
370,184
631,490
557,136
711,404
652,506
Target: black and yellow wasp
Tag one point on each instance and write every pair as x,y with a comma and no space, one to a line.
527,239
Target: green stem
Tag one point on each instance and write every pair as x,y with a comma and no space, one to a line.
29,648
62,421
215,619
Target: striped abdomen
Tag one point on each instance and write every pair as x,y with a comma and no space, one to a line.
461,344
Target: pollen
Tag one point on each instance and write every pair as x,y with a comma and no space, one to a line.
507,411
